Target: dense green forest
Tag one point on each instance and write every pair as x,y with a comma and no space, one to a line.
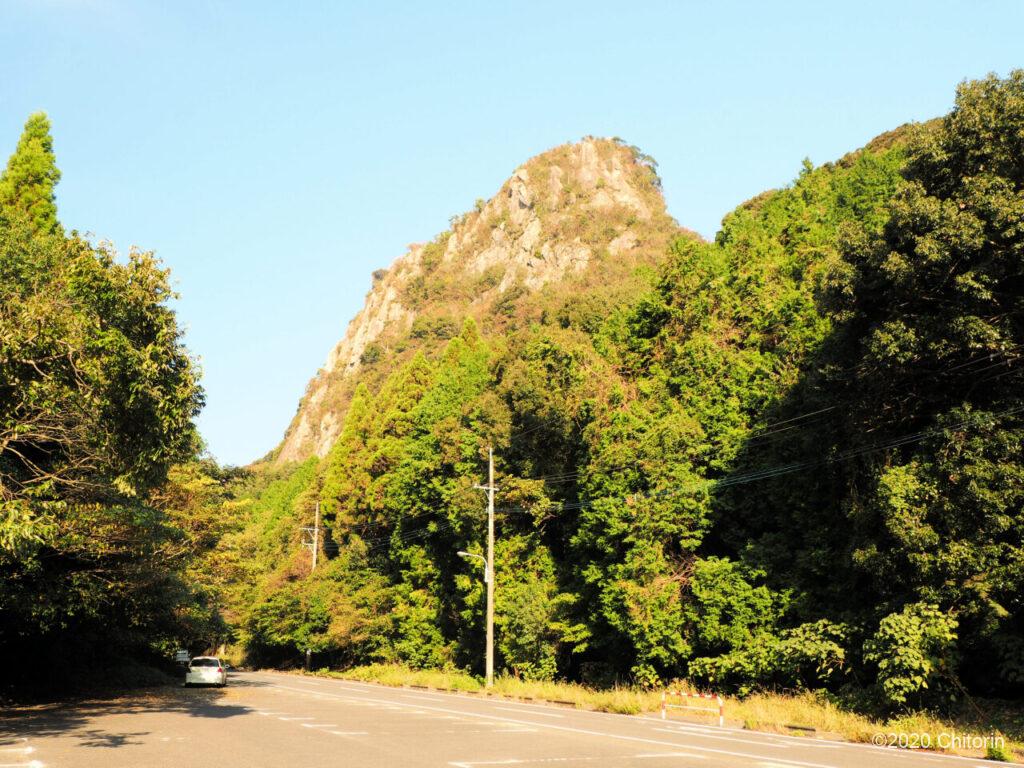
790,458
97,400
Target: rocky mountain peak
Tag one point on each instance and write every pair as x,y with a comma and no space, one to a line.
579,208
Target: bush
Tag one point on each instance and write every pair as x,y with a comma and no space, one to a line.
443,327
913,649
999,753
805,657
371,354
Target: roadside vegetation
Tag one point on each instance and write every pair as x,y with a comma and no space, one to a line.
805,714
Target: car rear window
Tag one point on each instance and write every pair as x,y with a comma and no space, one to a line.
205,663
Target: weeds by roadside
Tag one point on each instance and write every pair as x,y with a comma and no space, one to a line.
804,714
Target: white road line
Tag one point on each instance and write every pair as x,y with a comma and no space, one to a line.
514,730
422,696
466,730
722,738
349,733
19,750
290,719
318,725
813,744
756,738
530,761
619,737
670,754
653,719
521,712
802,740
769,739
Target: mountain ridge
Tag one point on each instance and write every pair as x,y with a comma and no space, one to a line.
578,213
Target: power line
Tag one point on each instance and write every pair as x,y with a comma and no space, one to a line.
750,439
378,543
755,438
982,359
382,542
771,472
747,438
516,435
763,474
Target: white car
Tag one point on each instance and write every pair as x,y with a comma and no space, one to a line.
206,670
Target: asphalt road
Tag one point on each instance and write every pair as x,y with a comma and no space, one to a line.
284,721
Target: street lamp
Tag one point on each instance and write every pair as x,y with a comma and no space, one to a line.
482,559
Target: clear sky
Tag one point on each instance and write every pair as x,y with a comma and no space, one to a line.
275,154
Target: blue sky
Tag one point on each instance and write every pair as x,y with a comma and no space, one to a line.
275,154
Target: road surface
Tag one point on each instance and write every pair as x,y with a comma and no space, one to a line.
271,720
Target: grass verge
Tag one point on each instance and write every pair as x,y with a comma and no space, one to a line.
805,714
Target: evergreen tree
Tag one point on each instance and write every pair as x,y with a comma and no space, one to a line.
27,185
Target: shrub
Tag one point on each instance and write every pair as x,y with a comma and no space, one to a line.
371,354
913,649
443,327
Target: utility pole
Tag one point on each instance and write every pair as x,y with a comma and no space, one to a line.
489,565
314,532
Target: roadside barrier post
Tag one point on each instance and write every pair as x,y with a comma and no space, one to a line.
666,704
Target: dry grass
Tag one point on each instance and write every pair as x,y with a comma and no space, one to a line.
397,676
778,713
781,713
626,701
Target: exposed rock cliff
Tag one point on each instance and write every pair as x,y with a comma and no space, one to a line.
585,215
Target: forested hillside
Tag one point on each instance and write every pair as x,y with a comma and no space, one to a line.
793,460
790,458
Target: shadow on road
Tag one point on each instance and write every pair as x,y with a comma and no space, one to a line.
74,718
97,738
244,682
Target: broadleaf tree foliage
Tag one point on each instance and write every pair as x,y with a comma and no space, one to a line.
97,399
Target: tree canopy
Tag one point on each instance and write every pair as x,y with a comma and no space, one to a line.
97,401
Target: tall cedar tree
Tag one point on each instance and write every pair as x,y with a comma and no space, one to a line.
27,185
